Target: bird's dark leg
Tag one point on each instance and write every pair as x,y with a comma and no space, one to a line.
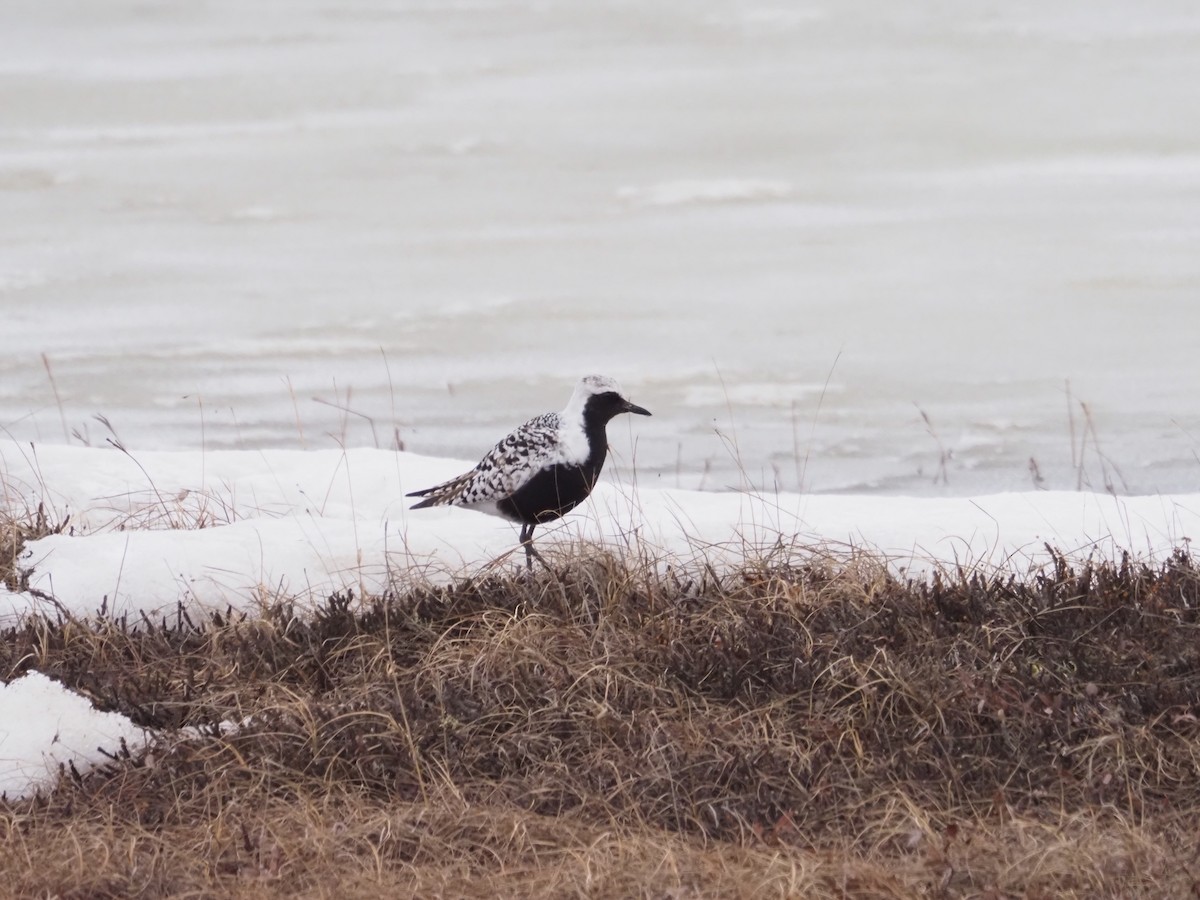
527,543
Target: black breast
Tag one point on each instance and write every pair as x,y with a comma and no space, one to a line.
551,493
555,491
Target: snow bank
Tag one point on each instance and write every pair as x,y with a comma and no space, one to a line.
149,530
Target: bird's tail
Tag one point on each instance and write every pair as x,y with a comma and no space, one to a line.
443,494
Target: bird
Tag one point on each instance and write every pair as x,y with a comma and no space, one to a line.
545,468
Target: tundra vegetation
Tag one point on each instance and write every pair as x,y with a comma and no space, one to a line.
799,726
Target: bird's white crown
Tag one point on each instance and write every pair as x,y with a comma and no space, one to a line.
598,384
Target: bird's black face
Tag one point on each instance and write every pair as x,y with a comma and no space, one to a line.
602,407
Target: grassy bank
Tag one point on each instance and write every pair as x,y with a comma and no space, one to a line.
605,731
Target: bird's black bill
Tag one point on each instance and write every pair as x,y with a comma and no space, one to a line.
635,409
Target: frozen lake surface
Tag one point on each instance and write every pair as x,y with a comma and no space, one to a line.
789,229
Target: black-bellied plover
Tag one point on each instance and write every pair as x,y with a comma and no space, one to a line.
545,468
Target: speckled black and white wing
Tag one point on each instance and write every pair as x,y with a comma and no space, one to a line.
538,444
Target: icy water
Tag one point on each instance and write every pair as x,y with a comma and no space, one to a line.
792,230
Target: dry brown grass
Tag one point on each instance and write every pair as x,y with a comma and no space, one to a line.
15,532
605,731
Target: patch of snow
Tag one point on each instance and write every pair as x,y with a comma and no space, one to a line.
44,725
